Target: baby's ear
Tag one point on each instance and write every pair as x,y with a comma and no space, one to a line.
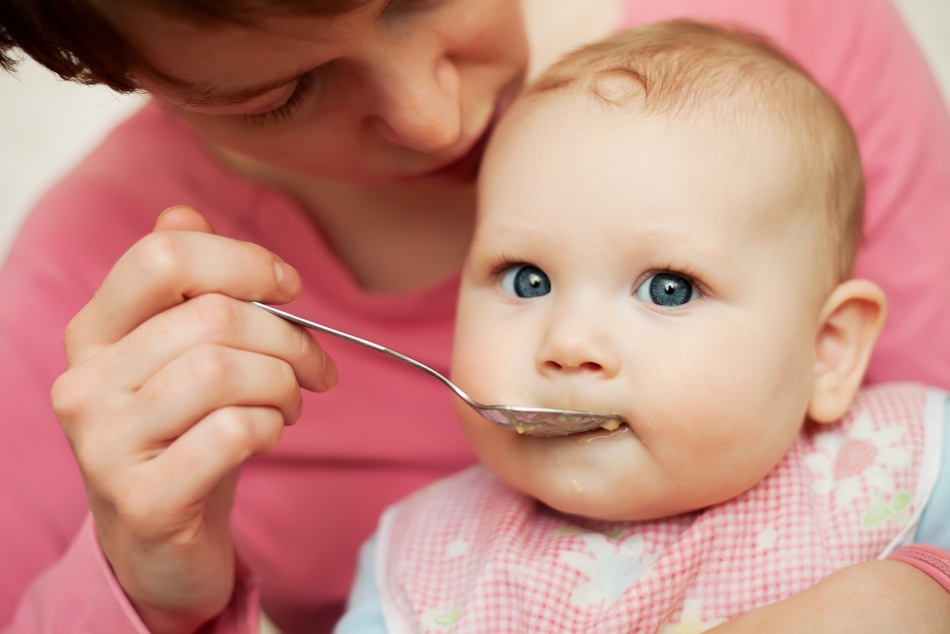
850,322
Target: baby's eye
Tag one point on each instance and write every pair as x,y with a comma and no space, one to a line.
667,289
525,281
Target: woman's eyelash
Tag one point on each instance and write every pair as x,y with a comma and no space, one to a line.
286,110
407,5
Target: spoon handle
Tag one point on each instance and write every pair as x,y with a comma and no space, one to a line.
312,325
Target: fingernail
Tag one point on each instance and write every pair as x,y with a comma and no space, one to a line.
330,376
283,283
166,212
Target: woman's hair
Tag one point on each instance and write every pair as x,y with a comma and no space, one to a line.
731,79
76,40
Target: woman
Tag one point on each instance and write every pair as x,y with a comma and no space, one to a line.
342,138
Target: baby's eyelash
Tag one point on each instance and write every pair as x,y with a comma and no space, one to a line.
687,272
505,263
285,111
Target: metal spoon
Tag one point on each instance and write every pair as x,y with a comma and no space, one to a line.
531,421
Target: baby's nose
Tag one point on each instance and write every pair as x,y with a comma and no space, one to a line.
580,345
566,364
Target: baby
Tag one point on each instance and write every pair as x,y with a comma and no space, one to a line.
667,224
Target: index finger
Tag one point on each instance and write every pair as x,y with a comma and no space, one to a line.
166,268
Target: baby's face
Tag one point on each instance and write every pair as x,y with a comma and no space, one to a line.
624,263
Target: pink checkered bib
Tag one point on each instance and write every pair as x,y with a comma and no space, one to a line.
468,554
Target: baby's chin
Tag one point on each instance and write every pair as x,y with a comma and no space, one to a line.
607,476
611,501
616,501
625,496
593,475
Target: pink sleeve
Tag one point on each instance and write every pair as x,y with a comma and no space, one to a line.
79,594
862,52
53,575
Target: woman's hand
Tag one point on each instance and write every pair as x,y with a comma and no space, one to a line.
173,382
880,596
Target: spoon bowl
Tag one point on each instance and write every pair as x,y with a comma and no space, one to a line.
530,421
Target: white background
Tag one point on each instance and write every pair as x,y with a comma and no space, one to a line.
46,125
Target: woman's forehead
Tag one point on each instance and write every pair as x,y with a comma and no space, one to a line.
239,11
187,57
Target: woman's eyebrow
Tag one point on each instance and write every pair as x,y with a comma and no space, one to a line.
210,94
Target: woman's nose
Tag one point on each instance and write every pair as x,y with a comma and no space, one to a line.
579,343
418,104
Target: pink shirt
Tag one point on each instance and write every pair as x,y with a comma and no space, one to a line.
302,510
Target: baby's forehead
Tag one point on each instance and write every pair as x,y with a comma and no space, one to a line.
582,121
761,167
729,90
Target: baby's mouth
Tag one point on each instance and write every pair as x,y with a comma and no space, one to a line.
559,414
546,421
602,433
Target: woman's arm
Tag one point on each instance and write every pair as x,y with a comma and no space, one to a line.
53,577
80,594
875,597
57,574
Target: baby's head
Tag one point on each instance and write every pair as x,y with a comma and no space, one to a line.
667,223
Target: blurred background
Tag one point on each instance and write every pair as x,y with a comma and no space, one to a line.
47,125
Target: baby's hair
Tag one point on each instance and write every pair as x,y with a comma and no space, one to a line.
725,76
76,39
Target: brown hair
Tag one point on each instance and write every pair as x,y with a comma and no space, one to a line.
728,76
76,40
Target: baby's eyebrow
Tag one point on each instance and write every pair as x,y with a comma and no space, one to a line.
666,241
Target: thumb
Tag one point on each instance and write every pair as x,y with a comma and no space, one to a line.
182,218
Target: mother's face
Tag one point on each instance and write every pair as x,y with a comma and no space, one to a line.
396,91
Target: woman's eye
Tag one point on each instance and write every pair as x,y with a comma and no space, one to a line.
525,281
667,289
285,111
410,5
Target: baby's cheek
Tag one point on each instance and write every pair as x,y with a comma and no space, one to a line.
495,447
694,442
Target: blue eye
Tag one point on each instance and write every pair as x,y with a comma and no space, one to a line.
667,289
525,281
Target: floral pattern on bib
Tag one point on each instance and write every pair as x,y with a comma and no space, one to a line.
471,555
